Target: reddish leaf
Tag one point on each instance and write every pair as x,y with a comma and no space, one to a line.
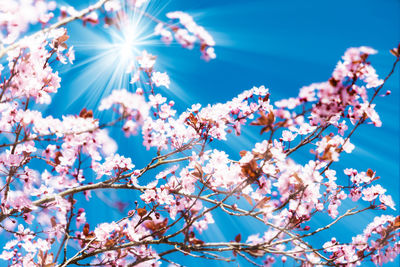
63,38
150,225
333,82
198,171
395,52
360,254
53,222
89,114
238,238
251,170
248,198
262,202
141,211
376,178
57,157
243,153
86,229
370,173
110,243
83,112
397,222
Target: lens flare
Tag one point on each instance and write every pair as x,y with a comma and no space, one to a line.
108,55
126,45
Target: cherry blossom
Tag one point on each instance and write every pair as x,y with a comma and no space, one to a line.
160,79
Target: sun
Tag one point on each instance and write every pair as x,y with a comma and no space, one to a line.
126,40
108,55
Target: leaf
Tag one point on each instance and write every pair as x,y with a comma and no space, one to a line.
376,178
198,171
86,113
243,153
83,112
333,82
109,243
63,38
271,117
89,114
57,157
395,52
164,223
265,120
265,129
192,119
150,225
238,238
141,211
262,120
191,234
397,222
86,229
298,179
370,173
248,198
250,170
156,227
262,202
197,166
53,222
91,235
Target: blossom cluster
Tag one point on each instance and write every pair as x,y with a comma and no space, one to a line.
16,16
186,32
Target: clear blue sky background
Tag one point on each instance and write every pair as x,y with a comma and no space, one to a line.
283,45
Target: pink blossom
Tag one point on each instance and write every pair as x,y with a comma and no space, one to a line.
288,136
104,230
348,147
166,35
203,224
146,61
112,5
387,200
149,196
372,192
160,79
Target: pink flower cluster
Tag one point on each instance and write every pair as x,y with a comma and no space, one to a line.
374,240
186,33
131,106
17,15
344,93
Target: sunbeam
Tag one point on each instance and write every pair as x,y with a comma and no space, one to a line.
108,55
